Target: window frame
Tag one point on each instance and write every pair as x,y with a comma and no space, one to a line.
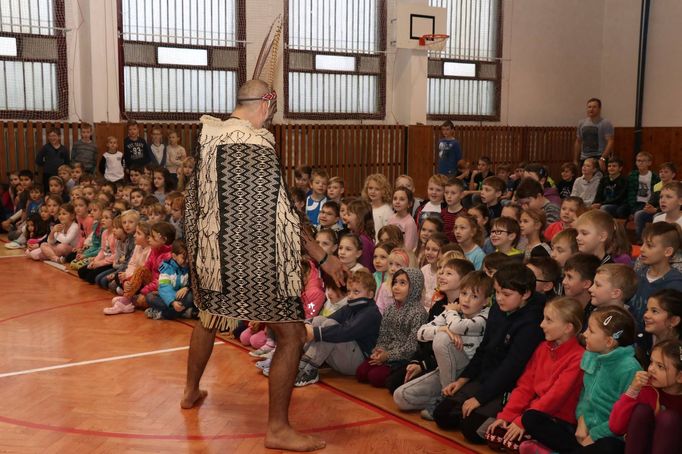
497,80
380,114
61,71
240,9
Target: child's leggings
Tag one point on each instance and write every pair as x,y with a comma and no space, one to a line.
50,252
255,340
653,433
141,277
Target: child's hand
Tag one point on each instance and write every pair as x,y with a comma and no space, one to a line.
121,276
587,441
412,371
58,228
514,433
457,340
641,379
33,246
595,206
452,307
581,431
126,286
180,294
110,277
498,423
469,406
141,300
378,357
650,208
452,388
177,305
309,334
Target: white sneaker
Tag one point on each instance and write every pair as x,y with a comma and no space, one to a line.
13,245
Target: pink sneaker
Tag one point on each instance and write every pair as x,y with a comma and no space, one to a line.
121,306
533,447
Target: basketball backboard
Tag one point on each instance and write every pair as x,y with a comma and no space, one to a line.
415,20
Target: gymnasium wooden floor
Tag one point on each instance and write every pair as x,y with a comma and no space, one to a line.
74,380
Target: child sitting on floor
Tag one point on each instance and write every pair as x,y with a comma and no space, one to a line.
397,340
650,411
609,366
512,335
552,380
174,297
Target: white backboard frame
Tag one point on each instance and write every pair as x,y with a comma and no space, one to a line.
415,20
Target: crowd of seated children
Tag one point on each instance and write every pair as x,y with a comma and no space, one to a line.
499,357
111,228
480,364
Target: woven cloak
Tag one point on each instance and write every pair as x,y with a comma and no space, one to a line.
243,233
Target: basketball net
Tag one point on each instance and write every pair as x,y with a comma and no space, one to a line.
434,42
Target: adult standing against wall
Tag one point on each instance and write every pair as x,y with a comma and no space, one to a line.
245,240
594,138
449,151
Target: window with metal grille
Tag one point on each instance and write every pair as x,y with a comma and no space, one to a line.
464,80
180,58
33,75
334,60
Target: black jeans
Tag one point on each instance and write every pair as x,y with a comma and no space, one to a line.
559,435
448,413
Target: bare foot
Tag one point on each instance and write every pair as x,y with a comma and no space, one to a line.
190,399
290,440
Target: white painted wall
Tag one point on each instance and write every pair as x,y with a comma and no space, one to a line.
663,87
556,55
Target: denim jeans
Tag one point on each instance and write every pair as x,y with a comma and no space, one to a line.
156,302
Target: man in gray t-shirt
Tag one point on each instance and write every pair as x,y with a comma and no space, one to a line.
594,137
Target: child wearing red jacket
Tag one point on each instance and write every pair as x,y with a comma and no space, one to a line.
552,380
146,278
650,411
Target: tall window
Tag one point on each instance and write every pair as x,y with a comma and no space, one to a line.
180,58
465,78
33,75
334,61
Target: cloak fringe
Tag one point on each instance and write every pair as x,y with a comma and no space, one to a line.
223,323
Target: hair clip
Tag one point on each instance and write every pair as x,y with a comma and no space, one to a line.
608,320
617,334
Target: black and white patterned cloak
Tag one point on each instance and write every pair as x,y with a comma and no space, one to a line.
243,233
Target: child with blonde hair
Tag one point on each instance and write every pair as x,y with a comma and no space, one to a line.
397,259
403,199
435,203
377,191
469,236
551,382
185,172
608,366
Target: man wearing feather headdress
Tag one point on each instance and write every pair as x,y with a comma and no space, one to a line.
244,239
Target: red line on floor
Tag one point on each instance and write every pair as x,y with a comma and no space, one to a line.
389,416
399,420
46,309
97,433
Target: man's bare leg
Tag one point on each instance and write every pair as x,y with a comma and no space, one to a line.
200,349
280,434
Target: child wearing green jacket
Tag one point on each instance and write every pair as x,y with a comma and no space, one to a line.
609,365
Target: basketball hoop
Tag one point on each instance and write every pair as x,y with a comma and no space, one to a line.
434,42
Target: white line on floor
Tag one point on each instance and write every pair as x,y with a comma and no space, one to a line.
10,256
95,361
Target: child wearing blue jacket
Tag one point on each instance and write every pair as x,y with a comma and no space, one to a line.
174,297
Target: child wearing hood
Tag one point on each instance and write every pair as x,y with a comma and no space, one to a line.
397,340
